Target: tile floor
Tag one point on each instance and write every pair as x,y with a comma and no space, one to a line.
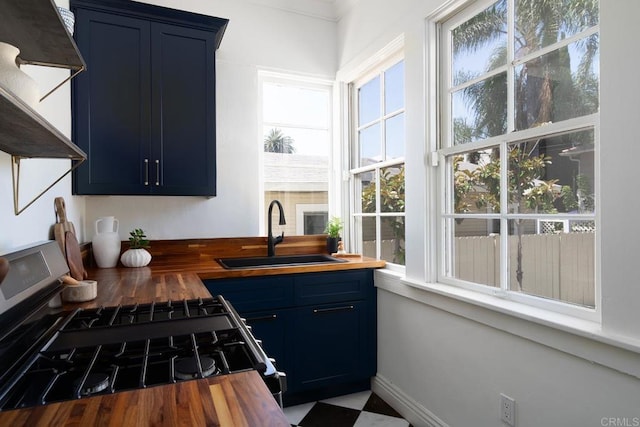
364,409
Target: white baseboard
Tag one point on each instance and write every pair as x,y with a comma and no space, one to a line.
411,410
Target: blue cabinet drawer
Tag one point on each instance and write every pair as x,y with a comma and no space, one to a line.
339,286
255,293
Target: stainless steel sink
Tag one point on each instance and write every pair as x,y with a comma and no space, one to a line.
277,261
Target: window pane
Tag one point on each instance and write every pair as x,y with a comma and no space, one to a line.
366,227
392,239
368,191
476,181
480,110
394,88
553,175
295,105
392,189
479,44
370,149
295,162
395,137
369,102
552,265
560,85
474,250
542,23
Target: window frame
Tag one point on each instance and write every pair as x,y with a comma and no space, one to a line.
353,167
439,87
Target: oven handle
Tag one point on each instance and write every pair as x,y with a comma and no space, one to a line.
258,354
257,319
331,310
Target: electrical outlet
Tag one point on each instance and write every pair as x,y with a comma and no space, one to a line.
507,410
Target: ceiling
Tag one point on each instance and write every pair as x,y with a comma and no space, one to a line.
331,10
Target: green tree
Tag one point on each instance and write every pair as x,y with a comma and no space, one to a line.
277,142
526,191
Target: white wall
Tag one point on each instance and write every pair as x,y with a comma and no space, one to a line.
36,222
256,36
447,361
456,368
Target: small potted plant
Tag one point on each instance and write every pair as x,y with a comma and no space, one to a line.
333,229
137,254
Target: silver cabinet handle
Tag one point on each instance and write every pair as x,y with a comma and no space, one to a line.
157,172
330,310
146,171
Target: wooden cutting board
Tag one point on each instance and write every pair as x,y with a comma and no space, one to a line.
62,226
74,257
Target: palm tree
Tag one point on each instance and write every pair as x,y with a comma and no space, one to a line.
277,142
545,89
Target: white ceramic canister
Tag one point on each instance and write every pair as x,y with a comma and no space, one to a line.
106,242
13,79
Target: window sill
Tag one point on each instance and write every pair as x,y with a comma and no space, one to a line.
578,337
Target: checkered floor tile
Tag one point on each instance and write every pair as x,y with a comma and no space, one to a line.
363,409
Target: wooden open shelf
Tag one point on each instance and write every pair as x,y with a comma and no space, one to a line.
36,28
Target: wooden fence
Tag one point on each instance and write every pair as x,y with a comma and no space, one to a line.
559,266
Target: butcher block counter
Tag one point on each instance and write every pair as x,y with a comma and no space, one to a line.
237,400
178,267
175,273
200,255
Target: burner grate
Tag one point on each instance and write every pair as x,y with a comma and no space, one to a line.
143,313
113,349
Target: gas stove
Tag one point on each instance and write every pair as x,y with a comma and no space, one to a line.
50,355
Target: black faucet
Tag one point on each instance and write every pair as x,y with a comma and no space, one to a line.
271,241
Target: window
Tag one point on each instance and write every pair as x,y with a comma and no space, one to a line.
377,163
519,84
295,143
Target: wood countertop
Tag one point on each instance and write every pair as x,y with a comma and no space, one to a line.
199,256
175,273
178,267
237,400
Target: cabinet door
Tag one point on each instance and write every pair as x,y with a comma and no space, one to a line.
144,111
330,345
111,109
183,111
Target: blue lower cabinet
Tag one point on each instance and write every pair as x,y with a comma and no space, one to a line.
329,344
319,327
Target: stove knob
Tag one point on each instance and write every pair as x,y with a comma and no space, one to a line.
249,328
259,342
272,360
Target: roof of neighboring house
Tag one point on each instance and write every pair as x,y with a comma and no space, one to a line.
295,172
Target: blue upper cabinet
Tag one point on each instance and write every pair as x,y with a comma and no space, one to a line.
144,111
